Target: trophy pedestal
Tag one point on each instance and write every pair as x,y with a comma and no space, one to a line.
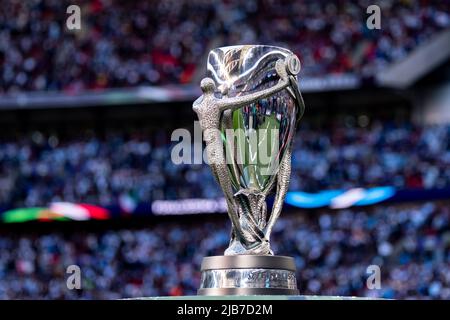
248,275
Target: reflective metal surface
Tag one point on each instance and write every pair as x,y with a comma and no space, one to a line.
248,278
248,262
248,275
260,131
250,106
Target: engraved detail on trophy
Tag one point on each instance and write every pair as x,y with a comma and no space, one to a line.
248,112
250,278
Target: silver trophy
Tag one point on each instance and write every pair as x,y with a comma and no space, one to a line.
248,113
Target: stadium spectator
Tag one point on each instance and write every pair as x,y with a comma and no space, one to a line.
332,249
124,44
39,169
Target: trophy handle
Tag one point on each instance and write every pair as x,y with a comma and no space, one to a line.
282,188
298,97
284,172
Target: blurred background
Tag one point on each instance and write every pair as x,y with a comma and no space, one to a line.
86,118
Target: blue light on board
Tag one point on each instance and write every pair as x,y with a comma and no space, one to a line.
321,199
311,200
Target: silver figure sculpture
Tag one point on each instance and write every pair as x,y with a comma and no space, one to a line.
250,88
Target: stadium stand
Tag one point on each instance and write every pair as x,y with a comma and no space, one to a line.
39,169
125,44
86,117
410,243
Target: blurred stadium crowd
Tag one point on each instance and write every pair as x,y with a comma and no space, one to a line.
129,43
410,243
38,169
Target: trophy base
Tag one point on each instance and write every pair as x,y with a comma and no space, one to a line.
248,275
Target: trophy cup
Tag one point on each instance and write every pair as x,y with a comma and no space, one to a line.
248,113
